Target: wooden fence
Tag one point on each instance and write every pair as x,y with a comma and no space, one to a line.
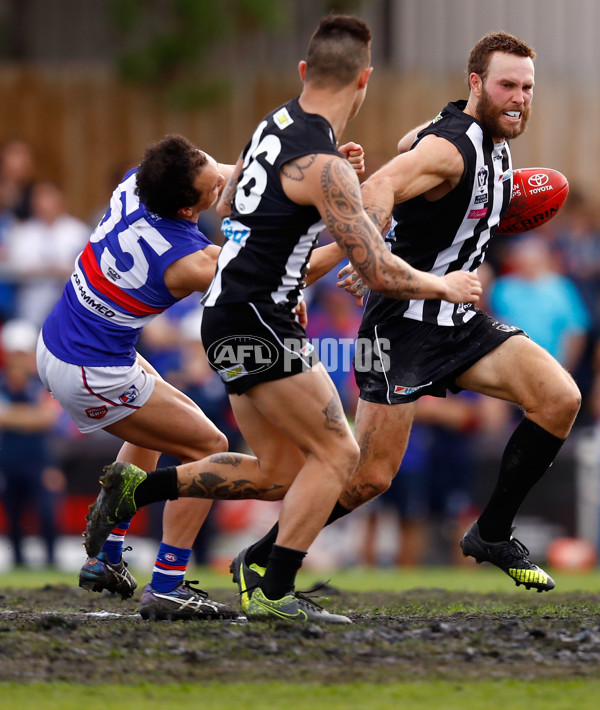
85,126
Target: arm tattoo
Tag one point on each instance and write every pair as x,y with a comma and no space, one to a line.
353,231
294,170
229,190
378,216
208,484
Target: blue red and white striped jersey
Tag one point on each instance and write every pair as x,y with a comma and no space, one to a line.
117,285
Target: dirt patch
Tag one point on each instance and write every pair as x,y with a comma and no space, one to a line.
64,633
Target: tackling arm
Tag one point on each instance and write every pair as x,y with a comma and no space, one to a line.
224,204
330,184
193,272
432,168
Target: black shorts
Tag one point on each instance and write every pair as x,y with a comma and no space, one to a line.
401,360
250,343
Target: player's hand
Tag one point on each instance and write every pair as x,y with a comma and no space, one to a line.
301,314
355,155
462,287
352,283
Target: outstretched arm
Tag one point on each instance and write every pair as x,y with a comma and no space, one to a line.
432,168
193,272
331,185
324,258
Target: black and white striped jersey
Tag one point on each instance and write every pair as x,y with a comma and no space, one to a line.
451,233
269,237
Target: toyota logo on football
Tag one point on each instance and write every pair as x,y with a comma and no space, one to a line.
538,180
539,183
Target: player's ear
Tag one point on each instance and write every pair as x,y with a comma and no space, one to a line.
475,83
363,77
302,69
185,213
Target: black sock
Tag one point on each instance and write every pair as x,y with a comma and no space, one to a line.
282,567
259,552
528,455
161,484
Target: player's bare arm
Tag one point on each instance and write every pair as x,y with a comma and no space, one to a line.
193,272
324,258
405,143
224,203
355,155
433,168
331,185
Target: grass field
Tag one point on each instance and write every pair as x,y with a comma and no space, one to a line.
470,578
476,605
554,695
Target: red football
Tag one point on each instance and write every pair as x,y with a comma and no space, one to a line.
537,196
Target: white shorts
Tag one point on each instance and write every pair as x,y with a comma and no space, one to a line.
94,397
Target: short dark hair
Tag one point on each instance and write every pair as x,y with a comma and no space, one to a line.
479,58
166,175
338,51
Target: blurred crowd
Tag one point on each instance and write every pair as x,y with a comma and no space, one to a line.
546,281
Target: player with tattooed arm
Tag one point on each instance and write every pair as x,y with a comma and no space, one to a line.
289,183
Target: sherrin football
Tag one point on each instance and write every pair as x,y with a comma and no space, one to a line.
537,196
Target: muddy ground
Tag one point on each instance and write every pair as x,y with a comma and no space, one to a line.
64,633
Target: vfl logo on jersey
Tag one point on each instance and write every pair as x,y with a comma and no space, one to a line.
282,118
481,186
130,395
97,412
400,389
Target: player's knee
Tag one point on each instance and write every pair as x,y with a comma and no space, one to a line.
347,458
568,401
214,442
379,482
220,443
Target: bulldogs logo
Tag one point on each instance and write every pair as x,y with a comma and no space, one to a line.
129,396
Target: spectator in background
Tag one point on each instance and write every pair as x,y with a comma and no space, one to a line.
41,251
16,179
541,301
577,241
28,478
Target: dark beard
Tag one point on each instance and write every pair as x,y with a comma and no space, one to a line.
487,113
